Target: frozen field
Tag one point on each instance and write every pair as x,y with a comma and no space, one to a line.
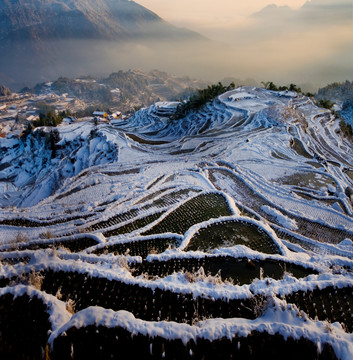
227,234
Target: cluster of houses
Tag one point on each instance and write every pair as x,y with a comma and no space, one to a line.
23,107
105,117
17,110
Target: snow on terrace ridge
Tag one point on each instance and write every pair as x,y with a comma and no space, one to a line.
277,319
274,157
58,314
285,327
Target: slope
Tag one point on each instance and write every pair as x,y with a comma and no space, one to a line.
226,232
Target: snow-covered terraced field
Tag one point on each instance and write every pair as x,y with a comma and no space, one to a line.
226,234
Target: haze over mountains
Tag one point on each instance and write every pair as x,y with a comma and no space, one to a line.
82,19
42,39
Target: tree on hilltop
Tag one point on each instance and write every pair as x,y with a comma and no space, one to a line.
200,98
4,91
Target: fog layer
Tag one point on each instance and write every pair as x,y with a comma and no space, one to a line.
311,44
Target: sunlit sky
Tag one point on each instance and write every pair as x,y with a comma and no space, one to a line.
292,40
203,15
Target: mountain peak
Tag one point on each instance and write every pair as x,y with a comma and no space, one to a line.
73,19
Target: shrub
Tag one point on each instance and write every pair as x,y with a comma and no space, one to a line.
346,129
35,279
325,103
4,91
293,87
47,235
19,238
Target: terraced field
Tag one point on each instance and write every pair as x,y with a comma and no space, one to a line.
227,234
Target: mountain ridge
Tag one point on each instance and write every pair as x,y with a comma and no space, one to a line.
40,40
105,19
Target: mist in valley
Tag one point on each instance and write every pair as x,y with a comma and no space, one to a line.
311,45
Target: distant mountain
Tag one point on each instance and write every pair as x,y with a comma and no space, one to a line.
336,92
43,38
126,90
342,95
81,19
312,12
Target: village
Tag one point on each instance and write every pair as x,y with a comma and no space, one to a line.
17,110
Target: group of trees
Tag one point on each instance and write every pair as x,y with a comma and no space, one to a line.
200,98
49,119
269,85
326,103
48,116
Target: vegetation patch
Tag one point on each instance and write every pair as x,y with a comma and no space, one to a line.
238,271
117,343
134,225
200,98
230,233
24,326
329,304
139,247
201,208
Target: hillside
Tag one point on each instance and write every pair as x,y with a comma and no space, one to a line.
336,92
83,19
226,233
342,95
124,90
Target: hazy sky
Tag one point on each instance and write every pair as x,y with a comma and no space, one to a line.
205,16
282,40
